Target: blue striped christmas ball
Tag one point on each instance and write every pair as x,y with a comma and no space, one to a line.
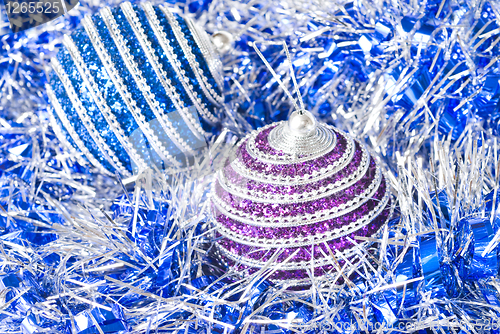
136,87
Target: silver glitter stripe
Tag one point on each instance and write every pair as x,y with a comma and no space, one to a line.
310,240
318,262
71,131
124,93
203,41
176,64
328,190
193,63
59,132
100,101
191,122
106,151
240,168
133,69
302,220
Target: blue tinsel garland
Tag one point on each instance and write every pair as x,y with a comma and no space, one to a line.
81,252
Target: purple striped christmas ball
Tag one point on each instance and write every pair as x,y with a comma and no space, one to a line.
300,194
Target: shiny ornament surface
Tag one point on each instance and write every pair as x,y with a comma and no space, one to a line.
298,193
136,87
223,41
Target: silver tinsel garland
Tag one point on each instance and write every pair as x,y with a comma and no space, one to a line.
82,252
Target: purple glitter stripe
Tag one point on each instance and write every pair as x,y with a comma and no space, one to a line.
262,144
259,209
276,210
304,253
293,170
267,188
304,230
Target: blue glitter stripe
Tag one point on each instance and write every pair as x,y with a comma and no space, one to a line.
108,90
93,111
152,157
102,79
76,122
154,82
167,66
162,57
184,131
197,53
127,78
182,57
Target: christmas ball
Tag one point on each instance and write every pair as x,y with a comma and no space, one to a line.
302,195
136,87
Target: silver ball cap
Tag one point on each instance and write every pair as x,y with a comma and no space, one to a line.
302,136
301,123
223,41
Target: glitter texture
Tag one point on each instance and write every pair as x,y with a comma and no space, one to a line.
119,86
296,222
